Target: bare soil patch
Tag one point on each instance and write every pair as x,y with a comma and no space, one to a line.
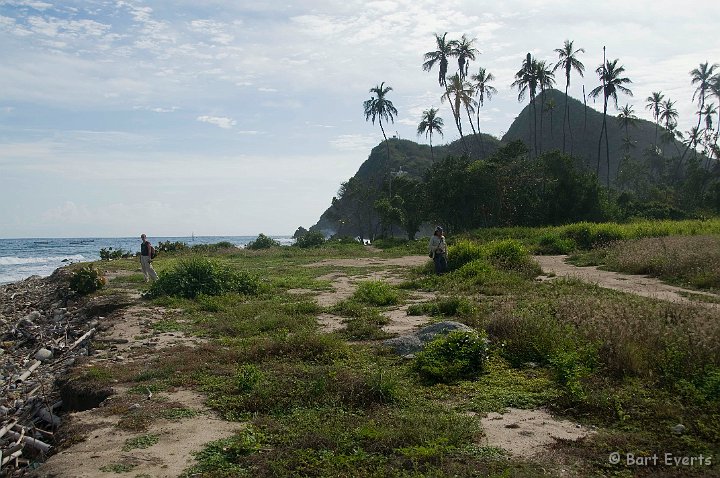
634,284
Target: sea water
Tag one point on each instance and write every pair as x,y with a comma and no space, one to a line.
22,258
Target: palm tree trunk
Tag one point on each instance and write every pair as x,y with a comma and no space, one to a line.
458,124
542,114
472,126
565,114
432,155
482,146
607,156
530,128
602,130
534,105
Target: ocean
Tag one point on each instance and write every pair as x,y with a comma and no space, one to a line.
22,258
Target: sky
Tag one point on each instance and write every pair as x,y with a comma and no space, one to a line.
244,117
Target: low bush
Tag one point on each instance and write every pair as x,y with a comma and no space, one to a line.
169,246
87,279
463,252
456,356
262,242
110,254
511,255
311,239
446,307
589,236
549,244
376,293
194,276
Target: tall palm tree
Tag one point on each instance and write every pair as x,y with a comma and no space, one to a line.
430,123
546,79
379,107
443,52
568,61
704,78
459,95
627,118
653,104
550,106
708,113
483,90
465,51
612,82
668,114
526,81
715,89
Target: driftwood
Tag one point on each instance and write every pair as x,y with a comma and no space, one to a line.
27,373
30,441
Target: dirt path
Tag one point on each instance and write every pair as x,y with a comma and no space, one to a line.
634,284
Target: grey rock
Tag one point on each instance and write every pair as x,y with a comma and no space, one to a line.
413,343
678,429
43,355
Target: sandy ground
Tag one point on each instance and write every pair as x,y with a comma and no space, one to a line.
633,284
527,433
168,458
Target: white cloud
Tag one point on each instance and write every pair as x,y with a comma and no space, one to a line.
219,121
354,142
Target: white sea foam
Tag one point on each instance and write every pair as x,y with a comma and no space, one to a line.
14,261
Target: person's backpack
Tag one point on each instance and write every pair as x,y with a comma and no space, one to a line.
153,252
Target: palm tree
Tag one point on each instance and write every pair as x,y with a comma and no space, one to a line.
668,114
705,79
483,90
381,108
612,82
526,81
550,106
653,104
440,56
465,52
431,123
715,89
459,94
568,60
626,118
708,113
546,79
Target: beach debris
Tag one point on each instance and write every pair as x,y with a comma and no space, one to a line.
44,328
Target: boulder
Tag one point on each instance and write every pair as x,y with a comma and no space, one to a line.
415,342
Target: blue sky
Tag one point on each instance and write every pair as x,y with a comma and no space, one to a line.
244,117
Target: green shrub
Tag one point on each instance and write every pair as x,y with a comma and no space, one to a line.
109,254
446,307
311,239
194,276
511,255
262,242
168,246
87,279
549,244
376,293
461,253
588,236
456,356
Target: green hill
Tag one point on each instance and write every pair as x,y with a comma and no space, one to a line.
581,139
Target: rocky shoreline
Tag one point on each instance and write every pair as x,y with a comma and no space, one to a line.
44,329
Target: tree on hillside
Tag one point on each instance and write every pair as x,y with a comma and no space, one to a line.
568,61
550,106
610,75
459,95
704,77
483,90
526,81
465,51
546,80
430,123
379,107
627,118
440,57
653,104
715,89
668,114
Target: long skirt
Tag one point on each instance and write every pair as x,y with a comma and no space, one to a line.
440,263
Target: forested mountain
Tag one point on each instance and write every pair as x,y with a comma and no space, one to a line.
525,178
583,135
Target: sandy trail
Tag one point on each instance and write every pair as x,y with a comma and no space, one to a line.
634,284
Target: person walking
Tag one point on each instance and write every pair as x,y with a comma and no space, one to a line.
438,250
146,250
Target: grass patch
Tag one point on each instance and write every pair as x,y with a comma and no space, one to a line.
376,293
141,442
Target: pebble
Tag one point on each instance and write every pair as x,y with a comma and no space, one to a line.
43,355
678,429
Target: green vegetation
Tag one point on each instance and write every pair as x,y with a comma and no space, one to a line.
111,254
262,242
195,276
331,404
87,279
140,442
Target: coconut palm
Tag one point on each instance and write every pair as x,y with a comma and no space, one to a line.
379,107
715,90
430,123
627,118
653,104
440,56
704,78
708,113
459,95
465,52
550,106
526,81
610,75
546,79
668,114
568,61
483,90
